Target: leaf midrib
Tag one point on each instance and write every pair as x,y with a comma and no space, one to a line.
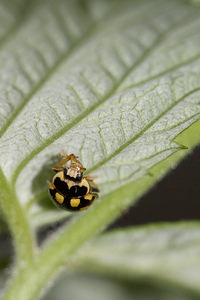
146,53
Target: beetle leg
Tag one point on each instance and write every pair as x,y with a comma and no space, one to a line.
58,166
94,186
72,158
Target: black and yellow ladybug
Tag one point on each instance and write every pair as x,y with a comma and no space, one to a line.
69,189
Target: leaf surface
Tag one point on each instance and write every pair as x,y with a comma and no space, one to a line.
98,287
165,255
113,82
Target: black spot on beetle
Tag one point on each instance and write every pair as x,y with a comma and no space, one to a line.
74,191
61,186
77,191
52,193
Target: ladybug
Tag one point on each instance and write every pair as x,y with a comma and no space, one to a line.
69,189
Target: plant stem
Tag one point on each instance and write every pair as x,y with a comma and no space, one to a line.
17,222
29,282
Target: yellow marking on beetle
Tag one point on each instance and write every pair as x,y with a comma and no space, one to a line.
88,197
51,186
59,198
82,208
70,183
83,182
59,175
75,202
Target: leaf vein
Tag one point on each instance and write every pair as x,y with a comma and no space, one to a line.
146,53
123,146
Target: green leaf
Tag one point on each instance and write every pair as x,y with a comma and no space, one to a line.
117,100
164,255
95,287
115,82
11,15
